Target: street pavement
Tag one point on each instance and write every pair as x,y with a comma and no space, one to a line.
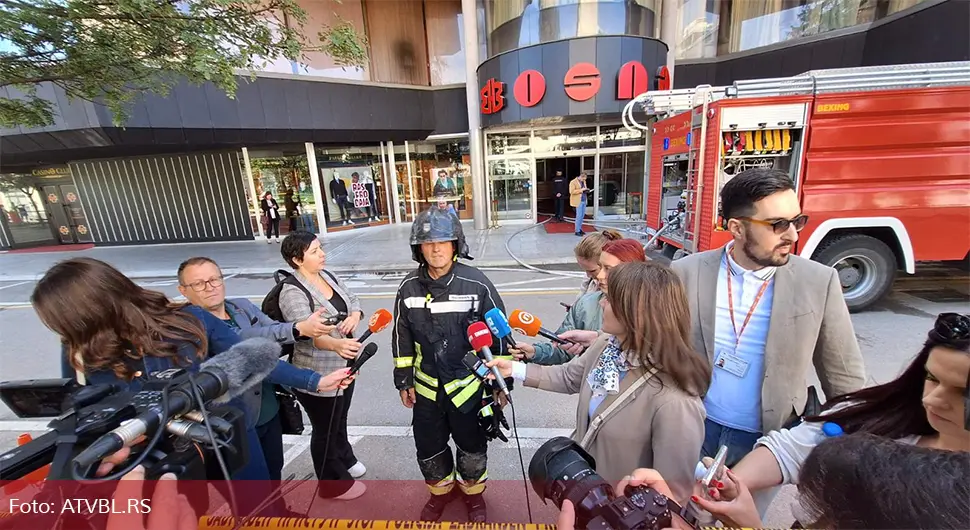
889,335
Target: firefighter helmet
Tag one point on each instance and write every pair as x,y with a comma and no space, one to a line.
435,225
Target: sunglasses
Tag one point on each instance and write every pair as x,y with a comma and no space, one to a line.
781,226
954,327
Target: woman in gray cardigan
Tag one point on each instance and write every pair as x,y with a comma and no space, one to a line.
333,456
639,384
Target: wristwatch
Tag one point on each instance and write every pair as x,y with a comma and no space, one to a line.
297,335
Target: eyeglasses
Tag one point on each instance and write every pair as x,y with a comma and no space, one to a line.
200,285
781,225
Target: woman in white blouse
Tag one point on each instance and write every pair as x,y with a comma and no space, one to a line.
925,406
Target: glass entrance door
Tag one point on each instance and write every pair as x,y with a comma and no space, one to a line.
621,185
511,190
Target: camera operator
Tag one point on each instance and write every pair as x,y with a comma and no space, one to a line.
587,312
924,406
639,384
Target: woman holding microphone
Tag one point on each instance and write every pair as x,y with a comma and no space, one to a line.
333,456
639,384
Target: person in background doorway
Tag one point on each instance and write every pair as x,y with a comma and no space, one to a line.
577,199
560,188
271,216
769,315
289,202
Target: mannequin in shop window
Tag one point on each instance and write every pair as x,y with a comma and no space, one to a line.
338,190
443,204
358,183
271,216
368,182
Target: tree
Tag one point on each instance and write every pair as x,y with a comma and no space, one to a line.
819,16
109,51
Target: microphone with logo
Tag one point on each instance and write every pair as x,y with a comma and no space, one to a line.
219,379
378,323
498,324
481,340
528,324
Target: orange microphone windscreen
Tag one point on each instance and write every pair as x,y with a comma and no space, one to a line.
525,323
379,320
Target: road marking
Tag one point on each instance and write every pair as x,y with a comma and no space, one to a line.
13,285
299,447
385,295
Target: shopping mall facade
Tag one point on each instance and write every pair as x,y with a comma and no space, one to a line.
481,100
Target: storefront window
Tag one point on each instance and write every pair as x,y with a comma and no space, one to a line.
619,136
508,144
22,210
287,177
353,186
551,140
511,189
446,41
440,174
621,184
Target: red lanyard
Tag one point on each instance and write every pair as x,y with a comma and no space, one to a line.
754,304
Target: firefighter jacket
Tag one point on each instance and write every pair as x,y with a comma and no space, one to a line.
429,338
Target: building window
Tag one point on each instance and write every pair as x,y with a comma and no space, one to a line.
753,24
327,12
440,173
697,23
353,186
446,41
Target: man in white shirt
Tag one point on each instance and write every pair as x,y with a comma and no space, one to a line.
763,316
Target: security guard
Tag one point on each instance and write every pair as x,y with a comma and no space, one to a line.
434,307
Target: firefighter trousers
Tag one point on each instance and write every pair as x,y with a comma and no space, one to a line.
434,423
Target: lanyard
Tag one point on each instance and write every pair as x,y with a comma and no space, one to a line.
754,304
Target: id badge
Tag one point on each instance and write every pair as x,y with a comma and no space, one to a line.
731,363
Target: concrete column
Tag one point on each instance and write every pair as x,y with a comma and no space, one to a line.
669,33
387,185
394,197
252,190
476,158
318,197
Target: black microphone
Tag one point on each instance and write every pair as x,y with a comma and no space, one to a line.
362,358
480,339
220,379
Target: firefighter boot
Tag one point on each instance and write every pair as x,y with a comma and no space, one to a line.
472,475
439,474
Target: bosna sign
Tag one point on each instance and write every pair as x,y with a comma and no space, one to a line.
581,83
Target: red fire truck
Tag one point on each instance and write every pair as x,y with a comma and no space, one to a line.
880,157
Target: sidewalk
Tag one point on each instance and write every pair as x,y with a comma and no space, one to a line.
375,249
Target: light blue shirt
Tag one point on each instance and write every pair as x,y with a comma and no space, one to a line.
735,401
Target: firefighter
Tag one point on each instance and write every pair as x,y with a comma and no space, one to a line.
435,305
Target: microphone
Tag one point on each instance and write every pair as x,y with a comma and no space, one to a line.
368,352
481,340
378,323
528,324
498,324
219,379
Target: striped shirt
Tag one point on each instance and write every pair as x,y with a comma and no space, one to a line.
735,401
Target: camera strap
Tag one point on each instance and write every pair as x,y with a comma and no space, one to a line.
597,422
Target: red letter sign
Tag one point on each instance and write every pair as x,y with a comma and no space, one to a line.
582,82
662,82
529,88
492,96
631,81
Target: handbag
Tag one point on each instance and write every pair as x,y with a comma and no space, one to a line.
291,415
813,407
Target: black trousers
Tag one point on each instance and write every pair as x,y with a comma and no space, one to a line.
434,423
330,447
272,225
271,440
560,207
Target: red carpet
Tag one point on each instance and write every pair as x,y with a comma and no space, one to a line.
53,248
552,227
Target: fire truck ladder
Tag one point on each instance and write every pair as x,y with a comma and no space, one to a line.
664,103
703,97
890,77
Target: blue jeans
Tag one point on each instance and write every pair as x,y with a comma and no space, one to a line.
580,213
738,442
307,221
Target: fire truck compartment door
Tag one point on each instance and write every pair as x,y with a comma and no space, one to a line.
792,115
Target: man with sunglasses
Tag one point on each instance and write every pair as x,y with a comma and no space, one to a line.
764,317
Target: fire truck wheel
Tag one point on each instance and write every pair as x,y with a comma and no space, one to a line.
866,267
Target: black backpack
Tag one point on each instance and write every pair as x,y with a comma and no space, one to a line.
271,303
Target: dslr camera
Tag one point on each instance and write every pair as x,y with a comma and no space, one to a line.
562,470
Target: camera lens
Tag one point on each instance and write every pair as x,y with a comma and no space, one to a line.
561,469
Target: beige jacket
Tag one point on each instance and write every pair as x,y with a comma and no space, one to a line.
809,325
661,427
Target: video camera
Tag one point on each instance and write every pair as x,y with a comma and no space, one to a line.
561,470
97,420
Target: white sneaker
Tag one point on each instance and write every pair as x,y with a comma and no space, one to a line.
357,470
268,241
350,221
355,491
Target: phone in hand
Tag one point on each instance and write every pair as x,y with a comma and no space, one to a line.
716,471
476,365
334,320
